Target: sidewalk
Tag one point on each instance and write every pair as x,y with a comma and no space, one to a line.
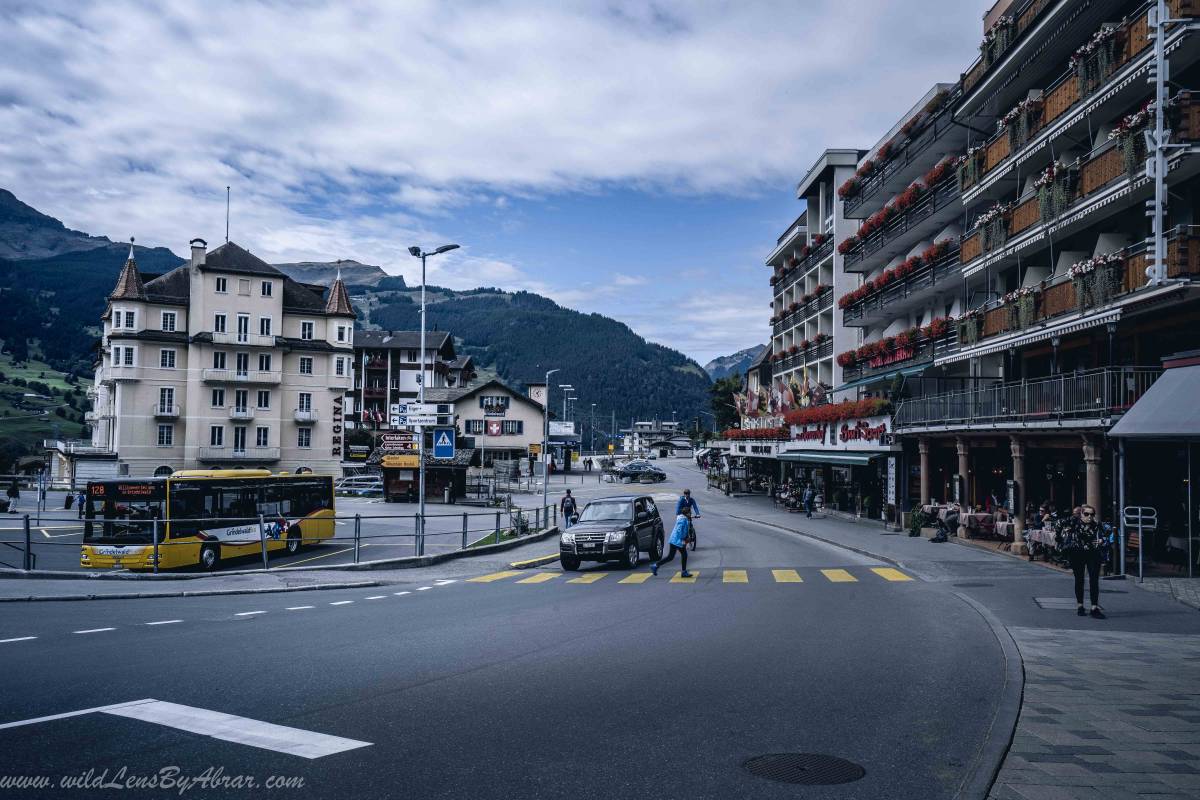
1110,708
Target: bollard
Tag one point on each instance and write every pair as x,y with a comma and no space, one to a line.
464,544
537,519
357,535
154,533
418,539
28,554
262,539
497,527
555,515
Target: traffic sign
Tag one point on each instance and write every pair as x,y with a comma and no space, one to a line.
415,420
409,409
443,443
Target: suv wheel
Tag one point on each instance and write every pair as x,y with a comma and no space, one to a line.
632,555
656,551
569,563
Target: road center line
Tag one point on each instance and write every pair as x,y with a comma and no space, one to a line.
248,613
342,603
298,608
445,582
96,630
376,597
423,588
165,622
17,639
401,594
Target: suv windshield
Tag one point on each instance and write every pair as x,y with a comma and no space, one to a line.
619,510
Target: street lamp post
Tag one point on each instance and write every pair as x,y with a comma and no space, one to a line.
417,252
592,431
546,443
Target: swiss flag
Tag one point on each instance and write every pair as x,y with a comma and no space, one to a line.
493,428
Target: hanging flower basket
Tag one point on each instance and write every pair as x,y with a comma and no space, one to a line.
1096,280
969,167
968,327
1095,60
997,39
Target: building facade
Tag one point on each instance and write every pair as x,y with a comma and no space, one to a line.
221,362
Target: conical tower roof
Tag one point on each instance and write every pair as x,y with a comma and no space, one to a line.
129,282
338,301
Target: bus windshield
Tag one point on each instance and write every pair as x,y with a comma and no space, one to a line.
124,512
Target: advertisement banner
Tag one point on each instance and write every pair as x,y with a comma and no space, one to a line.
865,434
562,428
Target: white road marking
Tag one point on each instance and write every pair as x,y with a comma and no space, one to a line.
342,603
401,594
96,630
377,597
218,725
299,608
165,622
423,588
248,613
444,582
17,639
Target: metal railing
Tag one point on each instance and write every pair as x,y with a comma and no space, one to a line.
213,453
1092,394
246,339
165,411
938,197
215,375
948,266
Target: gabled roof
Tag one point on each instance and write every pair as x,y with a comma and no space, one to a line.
174,287
490,385
400,340
297,298
129,282
338,301
230,257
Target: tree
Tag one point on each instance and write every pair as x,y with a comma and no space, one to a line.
721,397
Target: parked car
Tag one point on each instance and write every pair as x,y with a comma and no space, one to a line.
360,486
613,529
643,473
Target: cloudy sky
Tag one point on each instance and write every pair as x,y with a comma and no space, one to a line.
630,158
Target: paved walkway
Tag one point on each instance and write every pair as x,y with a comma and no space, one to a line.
1185,590
1106,716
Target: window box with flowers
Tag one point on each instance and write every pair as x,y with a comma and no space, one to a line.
1128,134
969,326
1055,188
1094,61
993,226
1022,306
1020,122
997,39
1097,279
970,166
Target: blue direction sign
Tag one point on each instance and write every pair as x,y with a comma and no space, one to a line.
443,442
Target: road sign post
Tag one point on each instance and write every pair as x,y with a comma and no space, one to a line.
1144,518
443,443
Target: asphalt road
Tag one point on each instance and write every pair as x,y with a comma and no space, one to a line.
535,684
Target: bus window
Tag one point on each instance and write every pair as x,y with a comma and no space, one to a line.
130,511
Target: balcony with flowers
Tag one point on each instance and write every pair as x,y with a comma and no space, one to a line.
807,305
1104,73
805,351
918,212
911,347
1110,177
922,141
910,283
796,266
1003,38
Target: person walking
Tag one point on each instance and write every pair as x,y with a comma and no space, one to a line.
807,499
14,496
1081,538
686,501
80,499
678,544
568,507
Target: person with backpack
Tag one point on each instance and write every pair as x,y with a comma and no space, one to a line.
569,508
1081,538
678,543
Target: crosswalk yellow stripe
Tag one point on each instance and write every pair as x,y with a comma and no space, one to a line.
735,576
541,577
637,577
887,573
787,576
678,577
495,576
591,577
839,576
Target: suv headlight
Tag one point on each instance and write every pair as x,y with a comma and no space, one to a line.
616,537
567,538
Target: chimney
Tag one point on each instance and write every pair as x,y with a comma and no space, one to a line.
199,246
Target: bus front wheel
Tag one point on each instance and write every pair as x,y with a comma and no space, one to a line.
293,541
210,556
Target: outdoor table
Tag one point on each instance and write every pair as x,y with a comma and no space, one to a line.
1042,536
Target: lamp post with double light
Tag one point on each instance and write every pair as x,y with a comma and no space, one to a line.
546,444
417,252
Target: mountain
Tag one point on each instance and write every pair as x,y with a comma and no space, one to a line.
53,305
735,364
26,232
323,272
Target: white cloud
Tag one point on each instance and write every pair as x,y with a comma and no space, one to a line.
353,129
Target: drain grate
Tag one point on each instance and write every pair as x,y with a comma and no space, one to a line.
973,585
812,769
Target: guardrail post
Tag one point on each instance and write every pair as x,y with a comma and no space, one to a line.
537,518
497,532
154,533
262,539
555,514
28,561
464,544
418,539
357,535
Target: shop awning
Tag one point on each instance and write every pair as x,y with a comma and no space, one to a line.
1168,409
819,457
886,376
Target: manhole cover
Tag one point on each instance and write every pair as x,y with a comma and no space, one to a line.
973,585
813,769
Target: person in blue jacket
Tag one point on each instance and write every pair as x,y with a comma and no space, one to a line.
686,502
678,539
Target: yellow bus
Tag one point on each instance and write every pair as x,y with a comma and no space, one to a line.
201,517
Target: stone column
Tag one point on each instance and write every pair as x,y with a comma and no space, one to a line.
963,472
1091,455
923,447
1017,448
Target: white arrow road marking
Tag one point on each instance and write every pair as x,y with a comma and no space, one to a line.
226,727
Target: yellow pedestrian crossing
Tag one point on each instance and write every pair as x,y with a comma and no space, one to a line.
839,576
591,577
541,577
746,576
889,574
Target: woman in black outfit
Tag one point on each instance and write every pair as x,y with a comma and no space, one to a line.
1081,539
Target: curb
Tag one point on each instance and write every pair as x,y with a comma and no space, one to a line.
833,542
534,562
990,757
407,562
199,593
1044,563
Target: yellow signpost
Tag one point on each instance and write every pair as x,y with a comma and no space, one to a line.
402,461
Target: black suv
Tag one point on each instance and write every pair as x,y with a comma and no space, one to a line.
613,529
